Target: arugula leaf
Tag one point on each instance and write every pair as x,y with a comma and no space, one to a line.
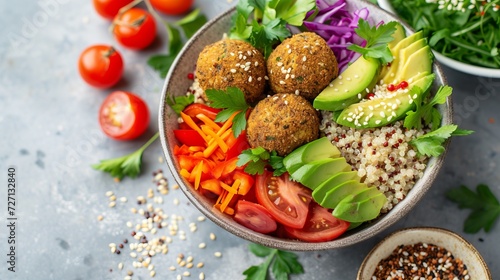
483,203
178,103
376,38
282,264
256,160
431,144
128,165
426,112
232,100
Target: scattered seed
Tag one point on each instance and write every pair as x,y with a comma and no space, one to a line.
100,218
212,236
200,265
202,245
186,273
218,254
201,276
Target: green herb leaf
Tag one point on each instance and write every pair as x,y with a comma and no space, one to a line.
430,144
425,112
129,165
255,159
376,40
232,100
485,206
265,36
178,103
276,163
282,264
192,23
292,12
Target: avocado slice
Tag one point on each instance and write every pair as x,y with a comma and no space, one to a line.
350,86
379,112
360,207
320,192
316,172
395,50
418,62
398,63
339,192
398,35
318,149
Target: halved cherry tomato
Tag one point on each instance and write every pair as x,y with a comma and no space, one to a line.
189,137
194,109
123,115
287,201
100,66
254,217
109,8
238,146
320,226
172,7
135,29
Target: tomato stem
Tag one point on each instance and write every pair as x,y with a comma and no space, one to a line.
121,12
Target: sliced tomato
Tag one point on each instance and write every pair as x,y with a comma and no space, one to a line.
194,109
254,217
189,137
238,146
320,226
287,201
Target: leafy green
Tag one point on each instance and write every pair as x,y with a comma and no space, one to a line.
258,158
189,25
128,165
264,23
425,111
483,203
376,38
232,100
178,103
431,144
281,263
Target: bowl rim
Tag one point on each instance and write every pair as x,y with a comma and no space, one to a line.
361,234
423,230
452,63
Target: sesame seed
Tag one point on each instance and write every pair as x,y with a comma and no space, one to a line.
186,273
304,58
200,265
112,204
202,245
218,254
100,218
201,276
250,79
109,193
282,82
232,70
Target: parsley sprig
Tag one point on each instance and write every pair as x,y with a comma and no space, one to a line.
264,23
431,144
178,103
282,263
426,113
257,159
376,38
128,165
483,203
232,100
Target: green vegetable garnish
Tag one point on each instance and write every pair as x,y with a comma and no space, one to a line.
431,144
282,263
263,23
129,165
483,203
232,100
178,103
256,160
376,40
426,111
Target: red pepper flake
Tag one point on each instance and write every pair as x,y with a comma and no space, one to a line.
403,85
190,76
391,87
370,95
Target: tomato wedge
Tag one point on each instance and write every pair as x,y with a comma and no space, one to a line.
189,137
320,226
254,217
287,201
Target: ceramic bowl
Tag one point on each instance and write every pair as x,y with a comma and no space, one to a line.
176,83
452,242
454,64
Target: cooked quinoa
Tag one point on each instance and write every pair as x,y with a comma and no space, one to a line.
383,157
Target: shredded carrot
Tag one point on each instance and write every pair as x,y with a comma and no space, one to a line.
212,185
197,178
215,138
228,188
226,201
189,121
196,148
184,173
206,120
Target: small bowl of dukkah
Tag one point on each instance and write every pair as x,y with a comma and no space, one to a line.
305,127
424,253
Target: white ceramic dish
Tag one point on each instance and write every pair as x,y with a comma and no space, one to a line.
454,243
176,83
454,64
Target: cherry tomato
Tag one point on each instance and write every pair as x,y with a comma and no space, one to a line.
123,116
135,29
172,7
189,137
100,66
320,226
197,108
287,201
109,8
254,217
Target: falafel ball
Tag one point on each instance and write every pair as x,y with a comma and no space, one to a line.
303,64
282,122
232,63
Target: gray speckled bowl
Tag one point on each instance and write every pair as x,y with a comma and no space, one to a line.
176,83
454,243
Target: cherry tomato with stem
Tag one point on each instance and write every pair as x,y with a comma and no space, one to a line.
109,8
172,7
100,66
135,29
123,116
